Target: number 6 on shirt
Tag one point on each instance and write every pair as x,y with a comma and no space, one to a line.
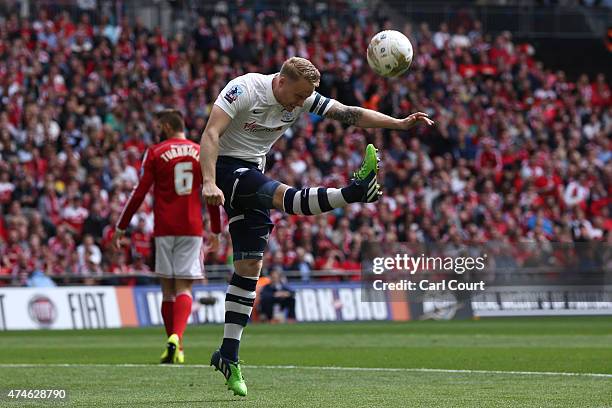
183,178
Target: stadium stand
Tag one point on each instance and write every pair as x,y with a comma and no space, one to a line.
520,152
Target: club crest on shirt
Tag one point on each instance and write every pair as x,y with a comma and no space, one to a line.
233,93
287,116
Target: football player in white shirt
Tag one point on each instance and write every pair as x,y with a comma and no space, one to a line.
251,113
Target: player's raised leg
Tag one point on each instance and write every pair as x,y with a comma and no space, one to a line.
318,200
253,190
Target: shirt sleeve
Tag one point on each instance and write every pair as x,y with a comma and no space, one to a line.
215,218
234,98
147,175
318,104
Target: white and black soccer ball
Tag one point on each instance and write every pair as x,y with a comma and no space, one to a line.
390,53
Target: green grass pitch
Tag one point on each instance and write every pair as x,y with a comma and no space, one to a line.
496,363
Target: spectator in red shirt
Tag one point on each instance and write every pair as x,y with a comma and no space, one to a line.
74,214
488,159
22,268
62,245
6,187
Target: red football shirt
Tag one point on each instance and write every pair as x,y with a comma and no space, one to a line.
173,168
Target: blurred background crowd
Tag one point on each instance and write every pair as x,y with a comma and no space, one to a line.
520,151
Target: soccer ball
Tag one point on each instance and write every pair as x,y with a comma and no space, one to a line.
389,53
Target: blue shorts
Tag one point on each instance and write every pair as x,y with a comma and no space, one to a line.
249,222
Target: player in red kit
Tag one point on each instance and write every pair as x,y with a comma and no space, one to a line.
172,167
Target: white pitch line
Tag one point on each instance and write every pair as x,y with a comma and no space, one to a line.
330,368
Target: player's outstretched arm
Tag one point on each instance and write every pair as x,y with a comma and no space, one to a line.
367,118
135,199
209,150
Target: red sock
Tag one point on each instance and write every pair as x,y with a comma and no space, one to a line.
167,312
182,310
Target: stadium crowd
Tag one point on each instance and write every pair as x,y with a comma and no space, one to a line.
520,151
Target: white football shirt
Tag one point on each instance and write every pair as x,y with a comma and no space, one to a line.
258,120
